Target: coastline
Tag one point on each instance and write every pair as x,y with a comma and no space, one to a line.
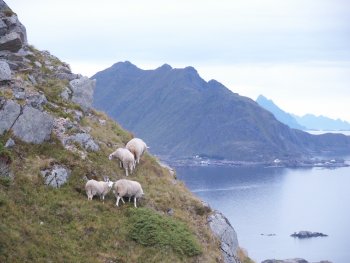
290,163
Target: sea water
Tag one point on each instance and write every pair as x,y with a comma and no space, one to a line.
266,205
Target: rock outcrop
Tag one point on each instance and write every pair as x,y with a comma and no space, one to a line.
13,34
33,126
27,76
85,140
292,260
83,91
9,112
5,71
56,176
224,231
307,234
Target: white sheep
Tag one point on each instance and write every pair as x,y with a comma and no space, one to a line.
126,159
137,147
127,188
100,188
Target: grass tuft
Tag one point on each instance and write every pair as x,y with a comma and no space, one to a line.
151,229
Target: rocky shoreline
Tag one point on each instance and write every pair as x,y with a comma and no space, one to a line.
291,163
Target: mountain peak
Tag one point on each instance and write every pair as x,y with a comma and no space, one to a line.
263,98
165,67
124,65
191,69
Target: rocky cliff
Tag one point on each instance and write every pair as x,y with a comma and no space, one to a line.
51,141
181,115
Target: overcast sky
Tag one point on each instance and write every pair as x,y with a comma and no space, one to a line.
295,52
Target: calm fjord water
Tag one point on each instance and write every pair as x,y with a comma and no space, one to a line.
280,201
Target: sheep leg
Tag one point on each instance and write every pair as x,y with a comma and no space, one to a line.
131,168
135,201
89,196
126,171
120,164
119,198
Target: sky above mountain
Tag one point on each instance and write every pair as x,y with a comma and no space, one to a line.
295,52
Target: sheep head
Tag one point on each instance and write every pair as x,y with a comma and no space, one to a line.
111,156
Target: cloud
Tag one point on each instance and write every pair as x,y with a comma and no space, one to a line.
295,52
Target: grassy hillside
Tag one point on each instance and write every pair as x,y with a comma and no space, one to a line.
42,224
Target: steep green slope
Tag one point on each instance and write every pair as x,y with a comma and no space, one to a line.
181,115
46,122
40,223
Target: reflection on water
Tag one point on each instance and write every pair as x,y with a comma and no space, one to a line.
280,201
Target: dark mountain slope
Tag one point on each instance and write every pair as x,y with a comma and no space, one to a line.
181,115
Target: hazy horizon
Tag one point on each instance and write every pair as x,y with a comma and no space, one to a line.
292,52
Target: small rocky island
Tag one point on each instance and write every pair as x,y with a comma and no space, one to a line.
292,260
307,234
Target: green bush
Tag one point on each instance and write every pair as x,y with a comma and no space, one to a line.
4,152
151,229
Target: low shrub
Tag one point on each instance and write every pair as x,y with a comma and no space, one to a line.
151,229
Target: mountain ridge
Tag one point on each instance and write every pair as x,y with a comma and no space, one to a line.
280,115
306,122
182,115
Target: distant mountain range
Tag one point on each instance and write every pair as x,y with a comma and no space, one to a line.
306,122
280,115
180,115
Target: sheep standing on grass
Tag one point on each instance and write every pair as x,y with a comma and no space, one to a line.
100,188
137,147
126,159
127,188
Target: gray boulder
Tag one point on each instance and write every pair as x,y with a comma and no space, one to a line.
5,71
65,94
67,76
9,112
10,143
13,33
37,101
19,94
85,140
56,176
83,90
33,126
3,28
224,231
11,41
